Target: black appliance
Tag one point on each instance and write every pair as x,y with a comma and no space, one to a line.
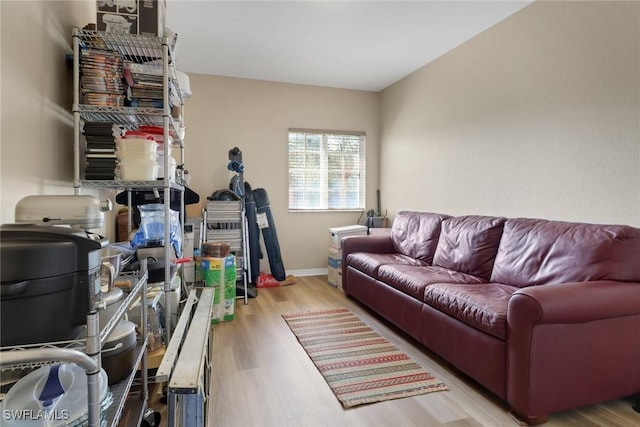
50,279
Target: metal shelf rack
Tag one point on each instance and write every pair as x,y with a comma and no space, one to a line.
156,52
78,351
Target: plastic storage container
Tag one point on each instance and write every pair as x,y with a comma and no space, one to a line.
138,170
156,132
336,234
152,223
135,155
137,134
135,145
172,166
53,396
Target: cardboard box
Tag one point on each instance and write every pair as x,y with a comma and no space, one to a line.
335,256
220,273
147,17
334,277
336,234
334,269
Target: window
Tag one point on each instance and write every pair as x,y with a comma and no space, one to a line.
326,170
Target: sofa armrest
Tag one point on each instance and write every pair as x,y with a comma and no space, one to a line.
558,333
575,302
380,244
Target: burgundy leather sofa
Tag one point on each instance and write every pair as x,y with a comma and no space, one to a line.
545,314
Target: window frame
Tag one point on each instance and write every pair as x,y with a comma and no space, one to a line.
324,170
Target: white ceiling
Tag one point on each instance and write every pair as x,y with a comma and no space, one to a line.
365,45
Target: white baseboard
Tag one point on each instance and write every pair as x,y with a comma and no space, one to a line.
309,272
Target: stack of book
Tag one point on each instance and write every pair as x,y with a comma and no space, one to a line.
101,77
144,85
100,150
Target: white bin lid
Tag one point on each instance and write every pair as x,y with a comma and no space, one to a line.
348,229
64,402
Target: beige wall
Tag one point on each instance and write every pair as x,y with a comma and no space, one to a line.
37,126
539,116
255,116
36,120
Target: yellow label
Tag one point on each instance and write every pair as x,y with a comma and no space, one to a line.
212,263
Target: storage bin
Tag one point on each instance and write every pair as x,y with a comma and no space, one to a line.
157,133
334,277
63,390
336,234
135,155
172,166
137,134
138,170
124,145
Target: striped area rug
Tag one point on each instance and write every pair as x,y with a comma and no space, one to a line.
359,365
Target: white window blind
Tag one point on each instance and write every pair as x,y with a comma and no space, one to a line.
326,170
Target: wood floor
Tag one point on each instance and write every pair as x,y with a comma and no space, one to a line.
262,376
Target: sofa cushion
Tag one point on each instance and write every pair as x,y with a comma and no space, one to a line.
469,244
415,234
369,263
482,306
538,252
413,280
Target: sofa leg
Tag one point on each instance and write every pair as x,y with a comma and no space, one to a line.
636,403
528,421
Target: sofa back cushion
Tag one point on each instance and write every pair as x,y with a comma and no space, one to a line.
538,252
415,234
469,244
